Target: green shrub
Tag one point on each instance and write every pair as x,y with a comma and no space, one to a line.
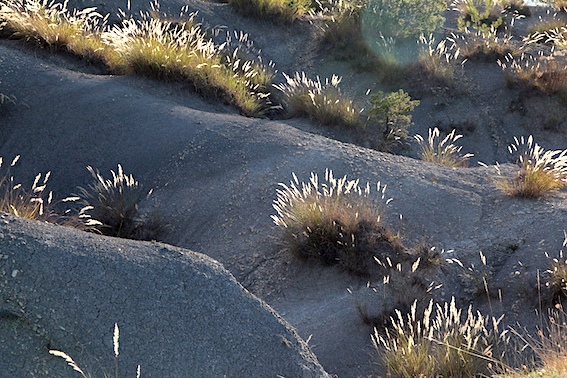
392,27
323,102
391,113
539,171
403,19
444,152
335,222
110,206
440,342
484,16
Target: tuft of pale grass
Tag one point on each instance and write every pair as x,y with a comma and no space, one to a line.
342,25
35,203
540,171
441,341
557,274
488,46
442,151
147,45
401,285
110,206
323,102
183,52
49,23
438,60
335,222
549,346
558,5
547,74
280,11
547,31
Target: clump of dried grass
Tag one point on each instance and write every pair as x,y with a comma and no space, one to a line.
441,341
336,222
438,60
323,102
540,171
50,23
149,45
110,206
546,73
31,204
549,346
280,11
445,152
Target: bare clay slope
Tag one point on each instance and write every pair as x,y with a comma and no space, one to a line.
215,176
180,313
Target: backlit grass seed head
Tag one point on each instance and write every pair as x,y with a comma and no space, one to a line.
111,205
147,44
322,101
438,59
442,341
331,192
336,222
69,361
34,203
540,171
544,72
442,151
52,23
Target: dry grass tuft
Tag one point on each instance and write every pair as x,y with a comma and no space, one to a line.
549,346
52,24
341,27
540,171
445,152
149,46
280,11
557,275
486,47
31,204
110,207
335,222
441,342
438,60
547,74
323,102
401,285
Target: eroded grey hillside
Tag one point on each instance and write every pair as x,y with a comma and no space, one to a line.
180,313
